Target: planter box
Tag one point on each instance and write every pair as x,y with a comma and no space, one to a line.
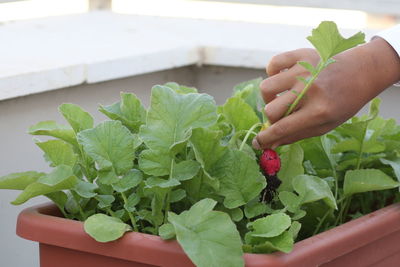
372,240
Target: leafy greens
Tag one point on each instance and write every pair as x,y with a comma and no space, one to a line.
184,169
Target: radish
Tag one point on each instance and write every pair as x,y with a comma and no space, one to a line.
270,164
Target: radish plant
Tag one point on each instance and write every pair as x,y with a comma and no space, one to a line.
184,169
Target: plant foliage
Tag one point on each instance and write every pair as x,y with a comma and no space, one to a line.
184,169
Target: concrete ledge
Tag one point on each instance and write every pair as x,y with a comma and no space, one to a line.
47,54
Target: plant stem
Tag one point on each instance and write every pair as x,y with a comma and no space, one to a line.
320,67
131,217
109,210
248,134
79,206
167,206
347,203
321,221
358,165
346,209
168,197
84,161
336,184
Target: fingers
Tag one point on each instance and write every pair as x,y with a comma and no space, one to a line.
279,83
292,128
310,132
276,109
283,61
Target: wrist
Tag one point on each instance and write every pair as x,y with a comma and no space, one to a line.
384,63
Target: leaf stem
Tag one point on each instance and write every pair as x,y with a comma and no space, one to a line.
85,164
321,221
358,165
336,183
131,217
79,206
320,67
168,197
109,210
251,130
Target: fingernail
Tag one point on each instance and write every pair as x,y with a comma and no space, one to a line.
255,144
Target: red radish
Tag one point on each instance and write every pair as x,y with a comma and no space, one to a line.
270,164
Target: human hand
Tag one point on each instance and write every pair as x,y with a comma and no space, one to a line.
339,92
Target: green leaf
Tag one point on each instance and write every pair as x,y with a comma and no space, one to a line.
110,144
105,201
207,147
76,117
59,198
290,200
177,195
19,180
358,181
166,231
249,91
352,161
328,41
374,108
240,183
133,200
58,152
308,66
349,144
395,164
171,116
354,129
358,128
318,151
180,89
185,170
299,214
272,225
59,179
162,183
294,229
209,238
107,177
255,208
155,162
236,214
159,192
283,242
71,205
382,128
312,188
104,228
51,128
85,189
130,180
136,141
291,165
129,111
239,113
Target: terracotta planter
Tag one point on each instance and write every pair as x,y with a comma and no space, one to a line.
372,240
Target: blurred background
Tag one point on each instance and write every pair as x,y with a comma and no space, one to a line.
87,51
347,13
